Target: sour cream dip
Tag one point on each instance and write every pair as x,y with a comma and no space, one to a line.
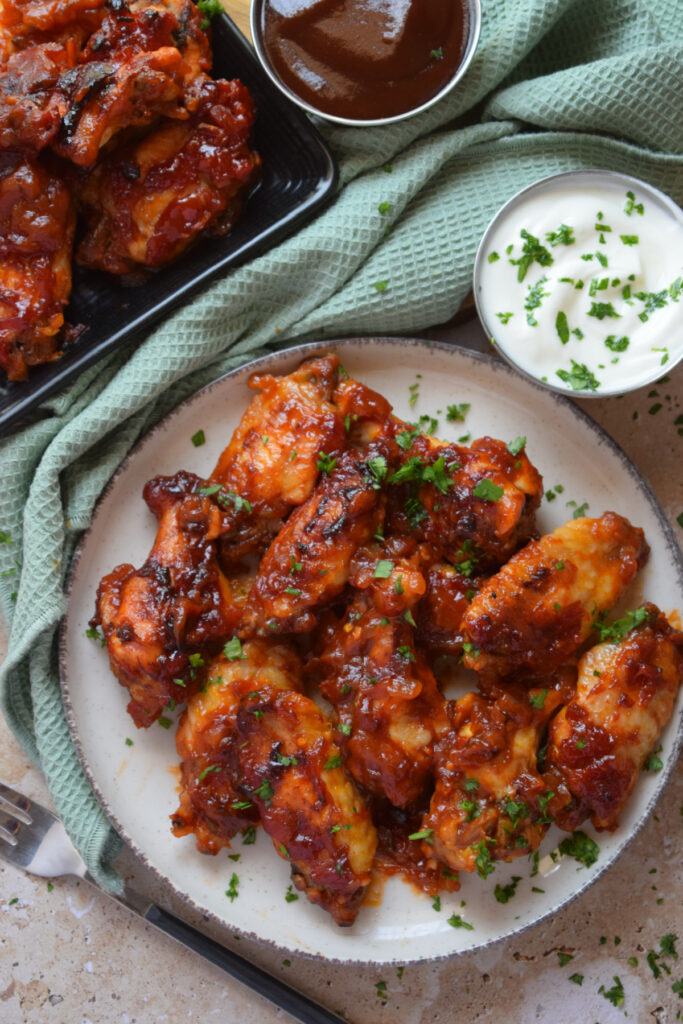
579,282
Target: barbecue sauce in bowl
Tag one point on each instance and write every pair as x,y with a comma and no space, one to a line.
365,60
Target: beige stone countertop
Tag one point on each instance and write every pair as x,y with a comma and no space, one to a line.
70,955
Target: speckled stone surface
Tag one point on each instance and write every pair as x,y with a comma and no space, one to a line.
70,955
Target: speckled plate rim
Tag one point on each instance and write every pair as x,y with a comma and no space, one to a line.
581,175
278,362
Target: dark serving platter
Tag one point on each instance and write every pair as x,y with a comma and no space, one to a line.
299,175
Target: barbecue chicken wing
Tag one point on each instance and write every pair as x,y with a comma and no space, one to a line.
600,741
272,458
474,505
536,612
147,201
307,565
160,621
439,615
387,703
291,767
31,102
36,237
252,745
211,804
490,801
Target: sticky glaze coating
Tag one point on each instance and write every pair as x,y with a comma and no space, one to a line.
625,695
345,586
362,60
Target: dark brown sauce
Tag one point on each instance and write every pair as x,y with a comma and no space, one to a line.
365,59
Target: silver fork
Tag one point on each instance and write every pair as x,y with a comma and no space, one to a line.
33,838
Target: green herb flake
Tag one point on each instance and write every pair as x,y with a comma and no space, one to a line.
504,893
576,978
581,847
425,833
334,761
164,722
265,792
564,235
505,318
614,995
210,768
616,344
564,958
631,206
456,921
493,257
456,413
436,903
482,861
326,463
532,250
600,310
198,439
437,54
380,286
209,8
384,208
231,892
383,569
619,629
487,490
471,785
580,378
381,989
534,299
290,895
629,239
537,700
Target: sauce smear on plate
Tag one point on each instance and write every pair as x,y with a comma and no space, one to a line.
365,59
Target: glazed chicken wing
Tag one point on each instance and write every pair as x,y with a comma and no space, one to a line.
31,103
272,458
537,611
291,767
600,741
490,801
473,504
147,201
161,620
211,803
307,565
439,615
387,703
36,237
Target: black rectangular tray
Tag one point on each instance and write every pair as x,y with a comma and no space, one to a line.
299,175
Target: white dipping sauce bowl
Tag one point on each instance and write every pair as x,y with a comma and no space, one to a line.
629,344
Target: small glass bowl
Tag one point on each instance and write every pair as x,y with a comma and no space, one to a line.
474,18
564,180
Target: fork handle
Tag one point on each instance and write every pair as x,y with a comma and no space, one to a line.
295,1003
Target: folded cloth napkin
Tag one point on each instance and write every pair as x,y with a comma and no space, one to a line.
555,85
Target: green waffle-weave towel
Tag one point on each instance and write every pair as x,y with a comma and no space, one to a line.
555,85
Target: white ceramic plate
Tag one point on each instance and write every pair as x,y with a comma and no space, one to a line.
137,785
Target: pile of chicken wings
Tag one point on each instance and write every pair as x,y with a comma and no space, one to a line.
338,552
115,146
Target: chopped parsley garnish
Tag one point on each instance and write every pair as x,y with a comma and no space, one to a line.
504,893
534,299
505,318
241,805
286,759
437,54
406,652
231,891
209,8
436,474
532,250
325,463
290,895
580,511
653,764
483,862
129,742
436,903
618,630
384,207
515,447
164,722
515,809
332,762
233,650
198,439
249,835
487,490
456,921
425,833
414,391
562,327
265,792
614,995
493,257
616,344
563,236
93,633
629,239
632,206
580,378
581,847
383,569
602,309
294,566
576,978
294,591
380,286
377,467
471,785
537,700
471,808
381,989
564,958
406,438
456,413
209,768
408,616
344,728
5,537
